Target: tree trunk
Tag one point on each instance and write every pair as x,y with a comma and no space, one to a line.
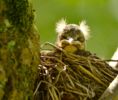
19,50
111,93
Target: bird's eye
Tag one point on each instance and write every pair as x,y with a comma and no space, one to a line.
81,39
63,37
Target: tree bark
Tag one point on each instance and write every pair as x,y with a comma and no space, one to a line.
111,93
19,50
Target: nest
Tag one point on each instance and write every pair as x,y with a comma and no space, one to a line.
66,76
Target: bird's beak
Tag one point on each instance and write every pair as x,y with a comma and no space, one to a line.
70,40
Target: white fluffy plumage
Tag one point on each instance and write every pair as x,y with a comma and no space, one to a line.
60,26
84,28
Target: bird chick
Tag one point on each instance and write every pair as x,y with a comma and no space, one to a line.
72,37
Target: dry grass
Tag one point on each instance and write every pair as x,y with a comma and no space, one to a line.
64,76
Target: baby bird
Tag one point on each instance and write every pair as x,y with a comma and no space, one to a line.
72,37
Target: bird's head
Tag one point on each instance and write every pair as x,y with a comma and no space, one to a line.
71,37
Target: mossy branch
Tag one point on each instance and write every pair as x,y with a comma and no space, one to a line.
19,50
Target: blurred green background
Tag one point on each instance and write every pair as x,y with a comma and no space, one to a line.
101,16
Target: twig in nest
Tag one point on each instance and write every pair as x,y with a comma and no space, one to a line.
74,76
111,60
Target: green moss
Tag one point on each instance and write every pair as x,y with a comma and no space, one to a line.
19,13
3,80
11,45
19,51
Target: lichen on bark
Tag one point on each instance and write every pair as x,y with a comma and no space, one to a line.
19,50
